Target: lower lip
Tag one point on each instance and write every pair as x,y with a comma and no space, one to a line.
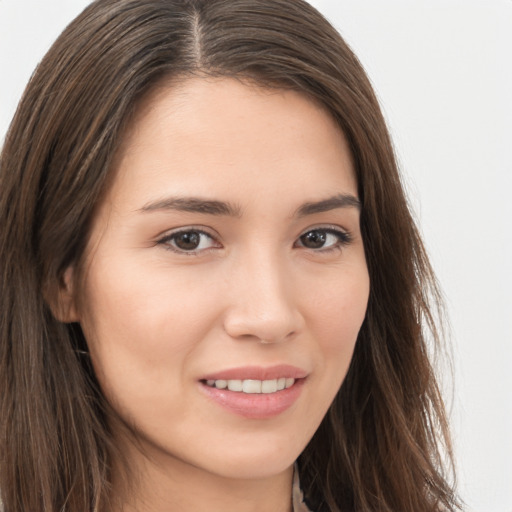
257,405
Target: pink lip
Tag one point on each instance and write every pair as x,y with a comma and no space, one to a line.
256,406
258,373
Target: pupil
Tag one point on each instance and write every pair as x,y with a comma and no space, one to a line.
188,241
314,239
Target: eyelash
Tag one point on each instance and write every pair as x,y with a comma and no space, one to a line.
343,236
167,239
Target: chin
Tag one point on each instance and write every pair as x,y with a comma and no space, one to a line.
260,467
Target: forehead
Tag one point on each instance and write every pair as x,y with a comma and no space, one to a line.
224,136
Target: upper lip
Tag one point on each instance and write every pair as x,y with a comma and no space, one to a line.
258,373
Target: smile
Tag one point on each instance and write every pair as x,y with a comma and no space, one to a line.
251,386
255,392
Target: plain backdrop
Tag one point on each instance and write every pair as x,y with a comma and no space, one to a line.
443,72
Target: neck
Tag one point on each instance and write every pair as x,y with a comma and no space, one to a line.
169,485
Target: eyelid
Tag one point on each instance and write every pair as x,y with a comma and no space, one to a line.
333,228
344,236
165,239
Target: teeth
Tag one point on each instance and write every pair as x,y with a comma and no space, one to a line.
235,385
220,384
269,386
251,386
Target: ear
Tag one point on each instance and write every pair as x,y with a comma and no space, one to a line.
62,301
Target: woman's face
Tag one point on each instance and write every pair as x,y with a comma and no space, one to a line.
227,252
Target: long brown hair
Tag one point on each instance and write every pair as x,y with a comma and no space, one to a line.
382,444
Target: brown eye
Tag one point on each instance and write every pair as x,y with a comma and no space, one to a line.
187,241
324,239
191,241
313,239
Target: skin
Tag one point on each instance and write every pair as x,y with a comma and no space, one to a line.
158,319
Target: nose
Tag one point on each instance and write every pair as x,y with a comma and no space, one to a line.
262,302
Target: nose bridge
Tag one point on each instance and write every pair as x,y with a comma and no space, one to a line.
262,303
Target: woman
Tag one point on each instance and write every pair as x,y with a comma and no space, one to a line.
211,282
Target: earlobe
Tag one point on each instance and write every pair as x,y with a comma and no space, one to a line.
63,303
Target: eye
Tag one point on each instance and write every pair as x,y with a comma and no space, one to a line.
323,239
189,241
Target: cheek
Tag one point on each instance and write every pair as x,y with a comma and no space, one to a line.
338,310
336,313
142,329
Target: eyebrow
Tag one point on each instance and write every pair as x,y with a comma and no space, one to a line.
194,205
222,208
331,203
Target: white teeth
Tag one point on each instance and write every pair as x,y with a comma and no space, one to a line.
235,385
269,386
221,384
252,386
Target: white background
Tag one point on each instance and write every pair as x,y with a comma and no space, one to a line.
443,72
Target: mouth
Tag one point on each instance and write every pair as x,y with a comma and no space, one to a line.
255,392
252,386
